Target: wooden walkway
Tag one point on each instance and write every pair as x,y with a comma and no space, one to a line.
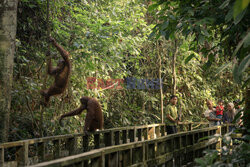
147,145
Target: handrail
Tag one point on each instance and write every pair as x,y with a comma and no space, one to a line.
108,137
183,146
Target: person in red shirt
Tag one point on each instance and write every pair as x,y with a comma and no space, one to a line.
219,111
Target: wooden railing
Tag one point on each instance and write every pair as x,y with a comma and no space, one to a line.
183,147
32,151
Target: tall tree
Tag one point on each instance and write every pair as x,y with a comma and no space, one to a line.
8,14
173,67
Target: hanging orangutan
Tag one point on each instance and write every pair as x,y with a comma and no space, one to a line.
61,74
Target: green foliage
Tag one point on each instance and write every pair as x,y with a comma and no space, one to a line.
240,6
239,155
208,24
109,39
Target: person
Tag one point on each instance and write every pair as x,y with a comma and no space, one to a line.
219,111
210,114
228,117
171,115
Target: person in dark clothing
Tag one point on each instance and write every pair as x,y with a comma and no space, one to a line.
171,115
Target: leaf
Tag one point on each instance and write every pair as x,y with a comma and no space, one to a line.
239,17
189,58
222,68
239,6
244,64
244,40
224,4
152,7
247,40
229,15
237,116
164,25
235,74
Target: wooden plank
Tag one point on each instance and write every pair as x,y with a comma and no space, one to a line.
218,132
200,132
127,152
58,137
114,159
22,155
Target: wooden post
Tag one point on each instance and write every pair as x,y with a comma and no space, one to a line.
22,154
218,145
126,157
227,131
114,159
41,151
102,163
130,156
144,152
57,148
157,131
1,156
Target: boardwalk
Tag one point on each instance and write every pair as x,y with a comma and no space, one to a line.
127,146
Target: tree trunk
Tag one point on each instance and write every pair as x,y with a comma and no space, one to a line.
8,14
161,93
173,68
